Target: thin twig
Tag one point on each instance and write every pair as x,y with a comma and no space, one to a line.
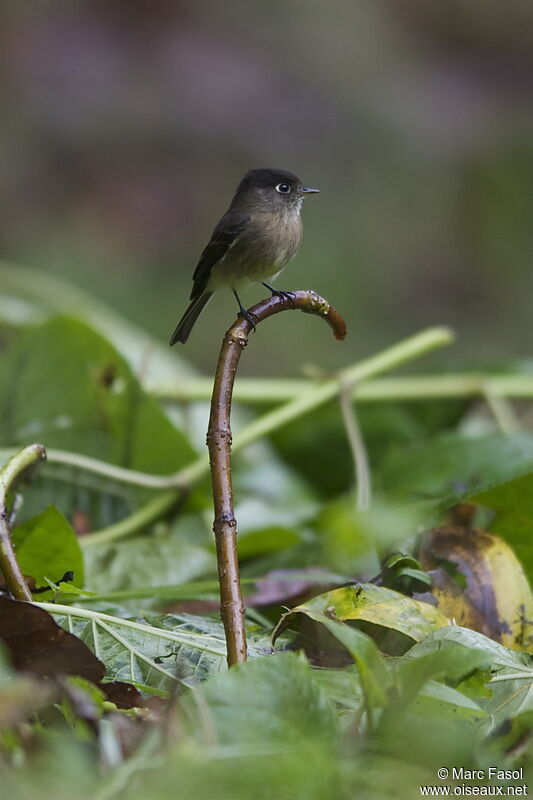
219,444
11,471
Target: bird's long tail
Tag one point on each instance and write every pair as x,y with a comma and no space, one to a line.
184,326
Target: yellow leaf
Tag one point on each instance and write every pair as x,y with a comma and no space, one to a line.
493,595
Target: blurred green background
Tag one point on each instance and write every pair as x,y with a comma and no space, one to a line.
126,126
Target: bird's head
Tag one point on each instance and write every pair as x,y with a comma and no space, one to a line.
274,188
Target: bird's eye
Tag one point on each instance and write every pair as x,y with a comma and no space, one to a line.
283,188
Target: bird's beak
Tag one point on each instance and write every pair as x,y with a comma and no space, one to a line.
304,190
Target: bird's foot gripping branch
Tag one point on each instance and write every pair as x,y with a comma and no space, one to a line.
219,444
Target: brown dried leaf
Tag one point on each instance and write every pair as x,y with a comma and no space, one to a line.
36,643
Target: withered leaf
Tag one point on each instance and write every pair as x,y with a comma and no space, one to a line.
36,643
479,582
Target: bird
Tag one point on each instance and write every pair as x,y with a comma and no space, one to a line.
252,242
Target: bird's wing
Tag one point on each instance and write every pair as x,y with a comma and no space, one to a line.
222,240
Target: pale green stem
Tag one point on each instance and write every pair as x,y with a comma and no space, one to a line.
181,479
398,354
357,447
267,391
513,676
10,473
199,641
503,413
145,515
388,359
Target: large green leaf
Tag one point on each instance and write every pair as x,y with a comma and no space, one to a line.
173,555
452,664
30,296
273,503
496,654
452,466
511,685
354,541
157,654
47,547
66,386
375,679
436,699
379,606
275,701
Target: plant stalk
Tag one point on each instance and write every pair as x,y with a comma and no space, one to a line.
219,444
11,471
401,388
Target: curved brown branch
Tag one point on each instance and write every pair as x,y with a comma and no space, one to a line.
219,444
11,472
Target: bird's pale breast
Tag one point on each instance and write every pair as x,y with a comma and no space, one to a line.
261,251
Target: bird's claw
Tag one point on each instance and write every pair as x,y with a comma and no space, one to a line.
281,293
285,295
249,317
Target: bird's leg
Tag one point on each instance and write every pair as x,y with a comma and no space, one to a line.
243,312
279,292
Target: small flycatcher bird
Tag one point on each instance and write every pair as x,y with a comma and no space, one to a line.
259,233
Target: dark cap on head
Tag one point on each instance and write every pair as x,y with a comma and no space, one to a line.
280,179
268,177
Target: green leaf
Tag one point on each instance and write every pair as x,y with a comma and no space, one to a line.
353,541
514,515
497,655
274,701
170,556
375,679
511,685
267,540
379,606
47,547
66,386
508,741
438,699
452,664
403,572
273,503
342,686
159,654
142,654
452,466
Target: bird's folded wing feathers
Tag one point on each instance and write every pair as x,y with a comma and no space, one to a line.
221,241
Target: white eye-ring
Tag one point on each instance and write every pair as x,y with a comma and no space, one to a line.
283,188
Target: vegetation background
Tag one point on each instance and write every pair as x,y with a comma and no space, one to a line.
126,125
